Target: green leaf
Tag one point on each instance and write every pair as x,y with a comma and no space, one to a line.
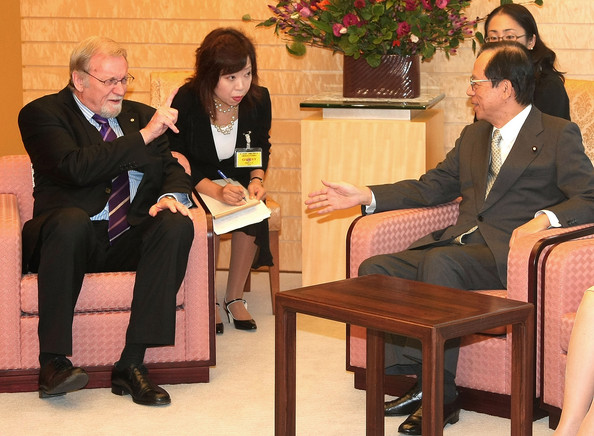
353,38
296,48
246,17
378,10
269,22
373,60
428,51
480,38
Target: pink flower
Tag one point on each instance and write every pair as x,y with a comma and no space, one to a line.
403,29
411,5
441,4
351,20
427,4
305,12
338,29
359,4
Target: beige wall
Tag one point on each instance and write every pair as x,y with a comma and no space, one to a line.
11,81
163,34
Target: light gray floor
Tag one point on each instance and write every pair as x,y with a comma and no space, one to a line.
239,399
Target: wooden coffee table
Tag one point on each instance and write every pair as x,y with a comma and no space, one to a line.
432,314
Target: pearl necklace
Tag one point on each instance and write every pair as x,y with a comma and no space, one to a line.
219,106
226,128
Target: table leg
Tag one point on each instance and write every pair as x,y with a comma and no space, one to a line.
285,355
375,382
433,355
522,377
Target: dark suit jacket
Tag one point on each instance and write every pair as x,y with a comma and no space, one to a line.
73,166
546,169
195,140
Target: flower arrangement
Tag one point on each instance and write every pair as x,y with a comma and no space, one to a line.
373,28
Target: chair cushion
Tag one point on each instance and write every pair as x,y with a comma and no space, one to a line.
101,292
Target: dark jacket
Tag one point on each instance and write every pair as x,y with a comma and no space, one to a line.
546,169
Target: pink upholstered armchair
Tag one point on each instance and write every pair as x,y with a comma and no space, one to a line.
102,311
568,271
484,364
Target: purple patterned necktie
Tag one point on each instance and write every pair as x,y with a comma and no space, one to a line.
119,200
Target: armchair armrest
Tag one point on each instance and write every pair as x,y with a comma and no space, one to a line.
526,258
393,231
568,273
199,286
10,271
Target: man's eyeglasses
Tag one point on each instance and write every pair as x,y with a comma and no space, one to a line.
474,82
503,38
113,82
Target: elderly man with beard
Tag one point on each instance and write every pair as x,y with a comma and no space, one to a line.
108,197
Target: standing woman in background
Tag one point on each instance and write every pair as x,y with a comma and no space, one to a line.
513,22
222,112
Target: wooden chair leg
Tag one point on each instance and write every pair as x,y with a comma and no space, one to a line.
274,271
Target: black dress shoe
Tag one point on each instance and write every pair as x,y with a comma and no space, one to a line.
413,425
406,404
58,377
134,380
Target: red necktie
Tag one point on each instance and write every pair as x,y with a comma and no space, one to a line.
119,200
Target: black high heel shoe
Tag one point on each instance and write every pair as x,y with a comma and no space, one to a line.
247,324
219,327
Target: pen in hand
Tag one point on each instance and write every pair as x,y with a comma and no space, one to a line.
228,181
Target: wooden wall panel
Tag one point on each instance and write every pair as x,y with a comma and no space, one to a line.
163,35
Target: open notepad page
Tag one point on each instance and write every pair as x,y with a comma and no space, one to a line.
241,218
227,217
219,209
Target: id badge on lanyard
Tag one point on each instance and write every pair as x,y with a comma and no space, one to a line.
249,157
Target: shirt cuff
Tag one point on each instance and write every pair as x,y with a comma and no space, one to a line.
552,217
182,198
371,208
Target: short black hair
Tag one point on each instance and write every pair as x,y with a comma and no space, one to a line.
511,61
